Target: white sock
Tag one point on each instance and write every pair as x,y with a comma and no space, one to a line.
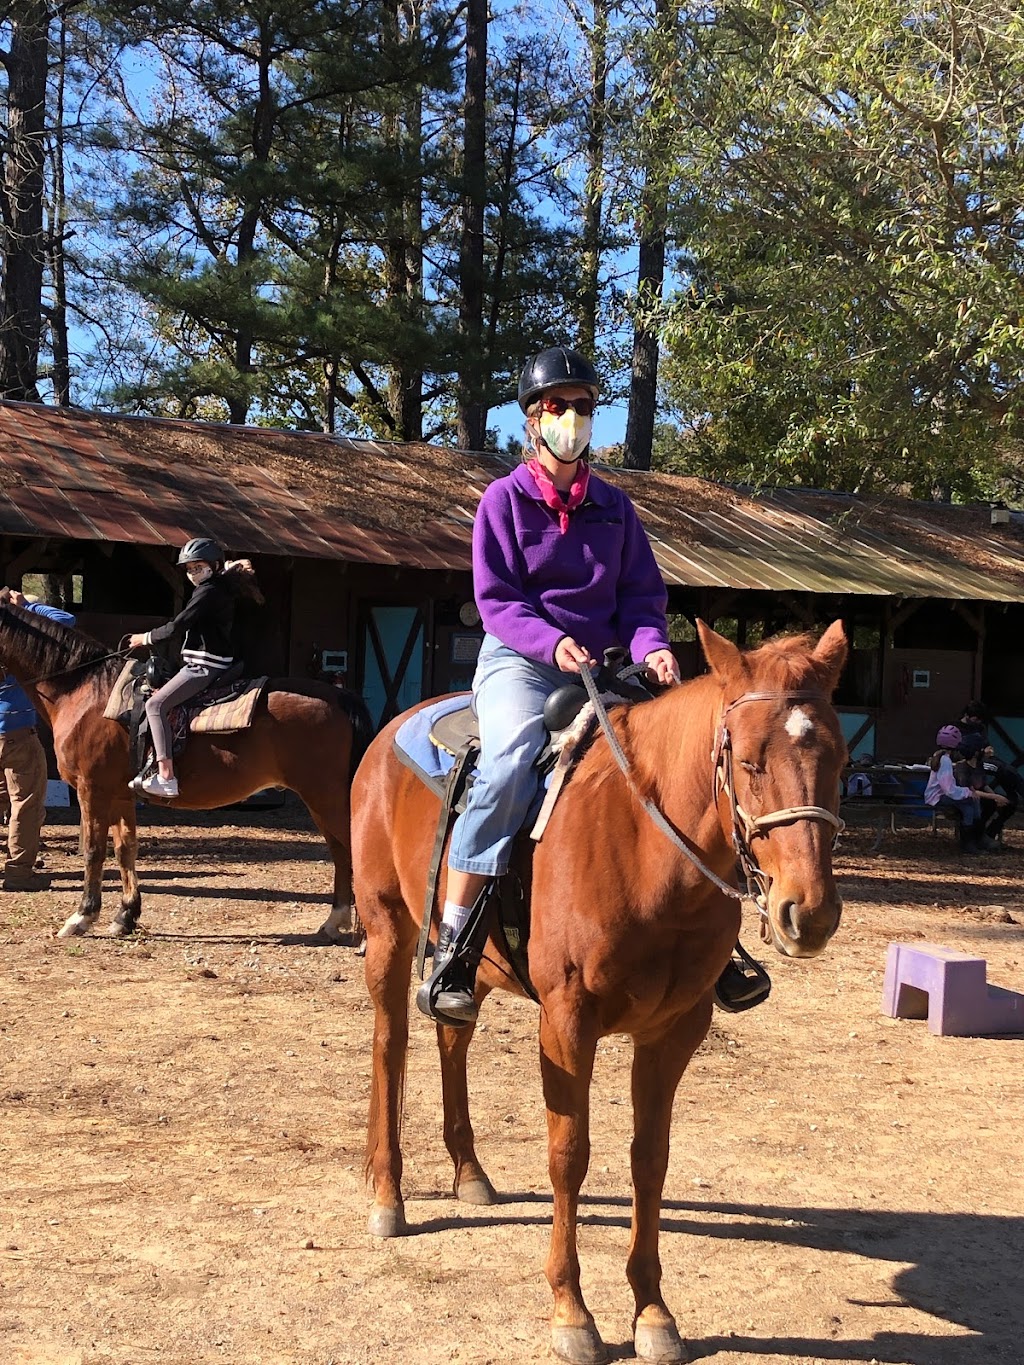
455,915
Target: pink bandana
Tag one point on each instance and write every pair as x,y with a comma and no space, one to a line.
553,498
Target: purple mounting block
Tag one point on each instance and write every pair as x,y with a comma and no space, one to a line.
949,989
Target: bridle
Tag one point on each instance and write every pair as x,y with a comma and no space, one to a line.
745,827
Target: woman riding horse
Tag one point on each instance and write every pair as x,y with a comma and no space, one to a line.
206,653
562,571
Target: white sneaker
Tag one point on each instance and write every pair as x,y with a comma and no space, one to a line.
155,785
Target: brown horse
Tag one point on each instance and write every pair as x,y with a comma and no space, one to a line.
306,736
628,936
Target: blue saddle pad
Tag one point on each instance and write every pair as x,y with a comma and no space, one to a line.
413,743
413,738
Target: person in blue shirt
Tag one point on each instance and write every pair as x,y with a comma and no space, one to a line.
23,767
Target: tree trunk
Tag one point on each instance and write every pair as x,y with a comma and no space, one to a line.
472,418
21,237
643,386
593,195
404,246
59,307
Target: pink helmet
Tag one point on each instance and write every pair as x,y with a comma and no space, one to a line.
949,737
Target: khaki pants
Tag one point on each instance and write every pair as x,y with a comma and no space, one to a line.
23,765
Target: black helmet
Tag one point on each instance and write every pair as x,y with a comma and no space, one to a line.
553,368
201,549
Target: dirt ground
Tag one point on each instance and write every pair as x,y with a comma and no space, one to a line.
181,1127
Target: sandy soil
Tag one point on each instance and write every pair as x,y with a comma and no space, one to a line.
181,1126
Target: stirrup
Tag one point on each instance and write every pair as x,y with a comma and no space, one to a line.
456,958
742,984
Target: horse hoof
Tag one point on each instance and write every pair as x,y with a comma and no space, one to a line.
580,1345
660,1343
348,938
385,1221
477,1192
75,926
118,930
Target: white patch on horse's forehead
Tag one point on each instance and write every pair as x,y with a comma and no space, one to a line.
798,723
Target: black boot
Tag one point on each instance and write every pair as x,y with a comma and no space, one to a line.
970,840
743,983
447,994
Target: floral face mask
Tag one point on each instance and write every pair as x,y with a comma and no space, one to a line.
566,436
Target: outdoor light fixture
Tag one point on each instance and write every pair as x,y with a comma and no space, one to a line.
1000,514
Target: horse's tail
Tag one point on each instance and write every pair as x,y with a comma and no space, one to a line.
362,725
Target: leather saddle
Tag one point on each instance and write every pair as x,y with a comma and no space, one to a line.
147,677
457,733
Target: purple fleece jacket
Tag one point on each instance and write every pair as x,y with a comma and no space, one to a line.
598,583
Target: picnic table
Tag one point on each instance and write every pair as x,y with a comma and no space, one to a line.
885,791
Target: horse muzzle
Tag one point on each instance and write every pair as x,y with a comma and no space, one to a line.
802,927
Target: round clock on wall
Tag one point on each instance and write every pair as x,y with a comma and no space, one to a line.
468,614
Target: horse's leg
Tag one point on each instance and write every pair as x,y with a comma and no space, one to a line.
568,1041
388,959
342,924
93,842
471,1183
126,845
658,1063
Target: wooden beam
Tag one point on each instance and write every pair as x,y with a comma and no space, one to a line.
976,623
896,618
719,603
26,559
800,610
860,732
168,572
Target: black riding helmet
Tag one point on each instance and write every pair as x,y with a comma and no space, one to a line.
201,550
551,369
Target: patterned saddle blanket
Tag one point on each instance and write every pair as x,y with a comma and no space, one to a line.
221,708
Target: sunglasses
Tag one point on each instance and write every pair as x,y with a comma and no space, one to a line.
584,407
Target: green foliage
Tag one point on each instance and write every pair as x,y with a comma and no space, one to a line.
849,191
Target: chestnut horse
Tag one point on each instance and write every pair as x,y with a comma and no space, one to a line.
306,736
628,935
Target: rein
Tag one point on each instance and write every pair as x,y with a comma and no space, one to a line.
745,827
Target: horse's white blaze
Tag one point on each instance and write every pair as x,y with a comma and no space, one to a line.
798,723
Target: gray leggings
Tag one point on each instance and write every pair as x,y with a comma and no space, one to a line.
187,682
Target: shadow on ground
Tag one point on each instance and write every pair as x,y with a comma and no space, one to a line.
944,1257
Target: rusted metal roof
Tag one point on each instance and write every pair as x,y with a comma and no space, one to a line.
96,476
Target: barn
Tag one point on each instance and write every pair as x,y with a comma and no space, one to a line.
362,550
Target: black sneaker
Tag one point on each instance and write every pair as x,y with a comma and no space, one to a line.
447,994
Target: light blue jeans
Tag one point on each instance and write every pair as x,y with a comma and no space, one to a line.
509,692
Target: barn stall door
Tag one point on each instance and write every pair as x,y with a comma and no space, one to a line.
923,689
392,639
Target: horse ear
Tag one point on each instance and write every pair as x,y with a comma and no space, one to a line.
830,654
724,659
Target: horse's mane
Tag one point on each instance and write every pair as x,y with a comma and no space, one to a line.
45,646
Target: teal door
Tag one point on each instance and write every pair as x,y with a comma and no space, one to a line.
392,660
